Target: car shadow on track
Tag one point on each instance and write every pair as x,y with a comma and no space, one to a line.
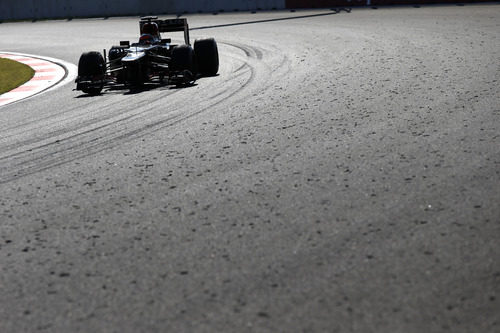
333,12
127,90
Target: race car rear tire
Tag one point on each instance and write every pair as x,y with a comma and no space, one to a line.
183,58
207,56
92,65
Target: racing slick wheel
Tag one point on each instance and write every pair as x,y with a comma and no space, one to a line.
91,70
207,56
183,64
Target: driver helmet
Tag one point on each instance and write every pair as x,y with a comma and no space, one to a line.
146,39
150,28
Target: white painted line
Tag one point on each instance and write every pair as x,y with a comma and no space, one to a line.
50,73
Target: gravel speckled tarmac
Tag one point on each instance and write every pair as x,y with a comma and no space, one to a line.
341,174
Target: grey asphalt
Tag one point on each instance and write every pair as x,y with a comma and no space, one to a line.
341,174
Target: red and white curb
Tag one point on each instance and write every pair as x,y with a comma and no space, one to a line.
49,74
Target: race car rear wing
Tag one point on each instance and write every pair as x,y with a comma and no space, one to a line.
168,25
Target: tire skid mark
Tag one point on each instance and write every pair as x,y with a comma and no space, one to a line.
239,68
141,120
53,134
37,120
51,160
249,51
108,106
257,53
58,141
240,74
59,134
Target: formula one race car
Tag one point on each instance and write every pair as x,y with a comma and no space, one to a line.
152,59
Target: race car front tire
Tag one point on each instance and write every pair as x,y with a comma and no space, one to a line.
92,65
183,58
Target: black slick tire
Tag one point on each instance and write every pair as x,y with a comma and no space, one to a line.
207,56
91,65
183,58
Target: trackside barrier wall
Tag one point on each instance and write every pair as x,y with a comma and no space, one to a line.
39,9
43,9
422,2
290,4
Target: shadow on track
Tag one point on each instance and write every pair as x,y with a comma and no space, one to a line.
127,90
334,11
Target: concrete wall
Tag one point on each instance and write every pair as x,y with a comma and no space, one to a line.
347,3
38,9
323,3
227,5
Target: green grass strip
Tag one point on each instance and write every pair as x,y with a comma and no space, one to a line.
13,74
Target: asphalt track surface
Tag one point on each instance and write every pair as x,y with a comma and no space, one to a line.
341,174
